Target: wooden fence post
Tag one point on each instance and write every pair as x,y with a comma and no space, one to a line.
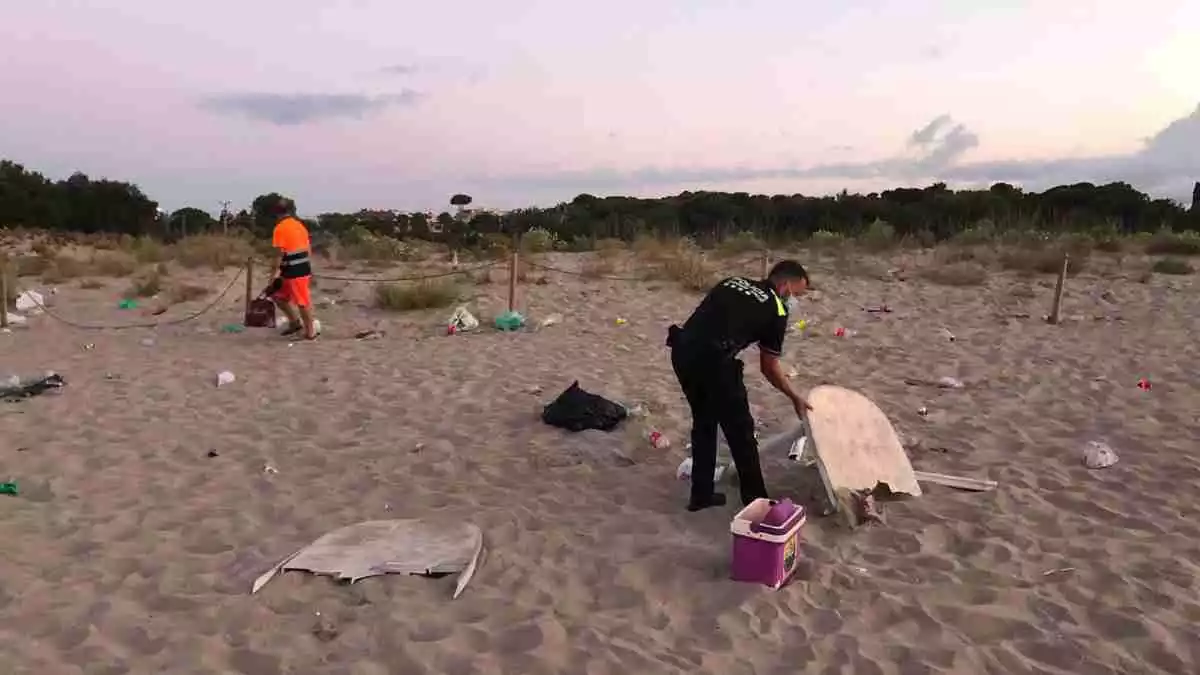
3,293
249,282
513,271
1056,306
766,262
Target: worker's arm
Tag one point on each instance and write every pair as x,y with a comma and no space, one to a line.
277,240
769,349
771,369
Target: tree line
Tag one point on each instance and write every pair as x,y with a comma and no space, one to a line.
80,204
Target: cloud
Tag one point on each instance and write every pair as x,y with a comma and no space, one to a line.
933,52
942,143
1166,165
294,109
925,135
400,69
934,146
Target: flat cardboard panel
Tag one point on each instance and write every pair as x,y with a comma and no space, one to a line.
855,445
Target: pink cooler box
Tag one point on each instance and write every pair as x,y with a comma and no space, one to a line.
766,537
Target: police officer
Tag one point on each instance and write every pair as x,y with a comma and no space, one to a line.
734,314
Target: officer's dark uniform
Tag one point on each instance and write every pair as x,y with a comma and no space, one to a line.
734,314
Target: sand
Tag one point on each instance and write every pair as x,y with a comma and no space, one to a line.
131,550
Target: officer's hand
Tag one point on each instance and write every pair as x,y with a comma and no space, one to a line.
801,405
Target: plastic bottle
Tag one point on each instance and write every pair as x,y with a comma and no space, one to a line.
950,383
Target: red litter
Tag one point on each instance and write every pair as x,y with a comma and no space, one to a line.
1143,384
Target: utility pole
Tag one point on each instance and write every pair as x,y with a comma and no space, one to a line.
225,217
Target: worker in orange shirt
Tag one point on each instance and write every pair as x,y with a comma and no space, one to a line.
290,289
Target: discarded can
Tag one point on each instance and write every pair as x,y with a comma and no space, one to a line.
659,441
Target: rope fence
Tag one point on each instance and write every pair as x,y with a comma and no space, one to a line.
145,324
413,277
247,272
734,267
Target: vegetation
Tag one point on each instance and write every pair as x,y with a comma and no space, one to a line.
1172,266
88,230
918,216
428,294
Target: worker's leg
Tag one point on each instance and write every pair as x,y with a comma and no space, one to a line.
738,425
696,384
302,296
289,310
310,326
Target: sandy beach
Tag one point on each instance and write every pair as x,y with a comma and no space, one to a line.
131,550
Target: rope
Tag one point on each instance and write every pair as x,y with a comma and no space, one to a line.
414,277
756,257
149,324
605,277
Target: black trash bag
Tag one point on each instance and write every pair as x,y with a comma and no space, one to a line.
577,410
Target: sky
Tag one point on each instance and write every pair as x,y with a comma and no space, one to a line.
349,104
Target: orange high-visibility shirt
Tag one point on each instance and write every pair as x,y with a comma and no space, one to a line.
290,235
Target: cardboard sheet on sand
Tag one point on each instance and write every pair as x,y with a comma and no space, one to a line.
377,547
855,446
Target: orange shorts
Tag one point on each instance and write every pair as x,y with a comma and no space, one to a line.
295,291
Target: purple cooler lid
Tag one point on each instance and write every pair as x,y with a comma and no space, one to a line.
780,518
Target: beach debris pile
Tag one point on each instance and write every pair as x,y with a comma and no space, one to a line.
15,388
684,472
461,321
510,321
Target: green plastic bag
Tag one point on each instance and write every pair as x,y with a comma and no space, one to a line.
509,321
